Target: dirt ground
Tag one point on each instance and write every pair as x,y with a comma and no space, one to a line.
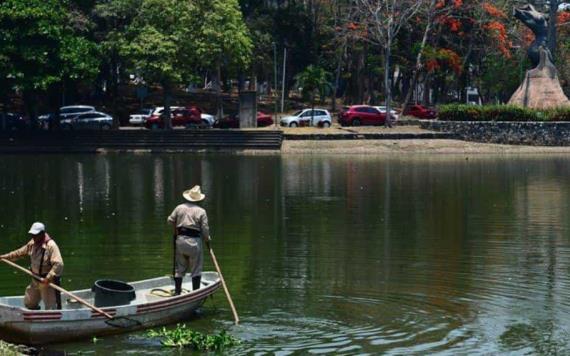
348,147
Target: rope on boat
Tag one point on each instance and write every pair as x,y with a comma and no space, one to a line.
160,292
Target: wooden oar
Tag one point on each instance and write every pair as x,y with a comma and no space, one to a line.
80,300
236,318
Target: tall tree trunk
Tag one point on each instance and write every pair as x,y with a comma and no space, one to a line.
218,86
31,107
312,108
337,76
418,65
166,112
387,85
115,89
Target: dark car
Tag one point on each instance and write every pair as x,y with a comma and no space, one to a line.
357,115
420,111
232,122
188,117
14,122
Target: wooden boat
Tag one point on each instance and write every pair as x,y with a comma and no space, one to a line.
74,321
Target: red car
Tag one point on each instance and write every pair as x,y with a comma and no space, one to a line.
232,122
180,117
420,111
357,115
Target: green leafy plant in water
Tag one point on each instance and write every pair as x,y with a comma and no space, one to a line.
182,336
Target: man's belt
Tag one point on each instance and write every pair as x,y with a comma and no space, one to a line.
185,231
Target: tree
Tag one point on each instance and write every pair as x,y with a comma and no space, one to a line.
382,21
220,38
169,41
39,47
112,19
314,80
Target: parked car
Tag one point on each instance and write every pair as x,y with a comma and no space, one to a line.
14,122
263,120
64,113
140,117
420,111
357,115
321,118
188,117
93,120
207,118
395,114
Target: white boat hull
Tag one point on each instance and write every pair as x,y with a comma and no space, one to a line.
33,327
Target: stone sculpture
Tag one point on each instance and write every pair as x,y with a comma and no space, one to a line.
541,88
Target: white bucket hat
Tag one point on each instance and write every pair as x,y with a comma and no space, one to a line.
194,194
36,228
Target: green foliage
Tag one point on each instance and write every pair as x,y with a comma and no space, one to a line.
38,47
169,39
461,112
314,79
181,336
221,35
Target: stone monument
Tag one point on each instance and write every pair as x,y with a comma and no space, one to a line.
541,88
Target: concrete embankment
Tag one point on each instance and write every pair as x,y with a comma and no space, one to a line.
505,132
269,140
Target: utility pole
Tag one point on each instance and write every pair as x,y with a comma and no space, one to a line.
275,84
283,83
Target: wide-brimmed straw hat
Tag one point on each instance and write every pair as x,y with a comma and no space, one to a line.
194,194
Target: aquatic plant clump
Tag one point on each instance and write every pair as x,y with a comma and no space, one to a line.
182,336
7,349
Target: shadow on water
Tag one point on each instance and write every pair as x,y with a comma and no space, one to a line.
357,255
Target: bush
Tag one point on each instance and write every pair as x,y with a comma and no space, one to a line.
461,112
561,114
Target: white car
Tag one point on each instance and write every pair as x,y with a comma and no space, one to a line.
564,7
320,117
140,117
393,113
159,109
210,119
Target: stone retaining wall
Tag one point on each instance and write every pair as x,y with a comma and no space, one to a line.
513,133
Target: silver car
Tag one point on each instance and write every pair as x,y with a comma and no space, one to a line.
65,112
93,120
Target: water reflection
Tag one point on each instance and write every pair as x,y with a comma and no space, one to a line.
396,255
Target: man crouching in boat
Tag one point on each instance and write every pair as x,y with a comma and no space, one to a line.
46,262
190,223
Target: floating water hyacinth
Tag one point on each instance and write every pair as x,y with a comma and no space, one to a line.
182,336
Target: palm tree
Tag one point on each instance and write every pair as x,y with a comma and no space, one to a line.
313,80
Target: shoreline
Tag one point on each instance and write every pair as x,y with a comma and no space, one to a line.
419,146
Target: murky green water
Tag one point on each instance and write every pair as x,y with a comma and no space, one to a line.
344,255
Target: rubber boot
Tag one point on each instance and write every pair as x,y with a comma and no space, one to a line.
177,285
196,282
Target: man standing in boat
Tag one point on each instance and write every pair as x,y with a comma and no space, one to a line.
46,262
190,223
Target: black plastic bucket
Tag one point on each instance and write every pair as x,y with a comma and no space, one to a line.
109,293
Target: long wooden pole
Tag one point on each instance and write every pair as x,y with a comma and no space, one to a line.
236,318
56,287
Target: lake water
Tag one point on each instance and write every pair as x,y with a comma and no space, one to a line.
408,254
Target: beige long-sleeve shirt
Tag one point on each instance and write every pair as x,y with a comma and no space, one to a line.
191,216
52,262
